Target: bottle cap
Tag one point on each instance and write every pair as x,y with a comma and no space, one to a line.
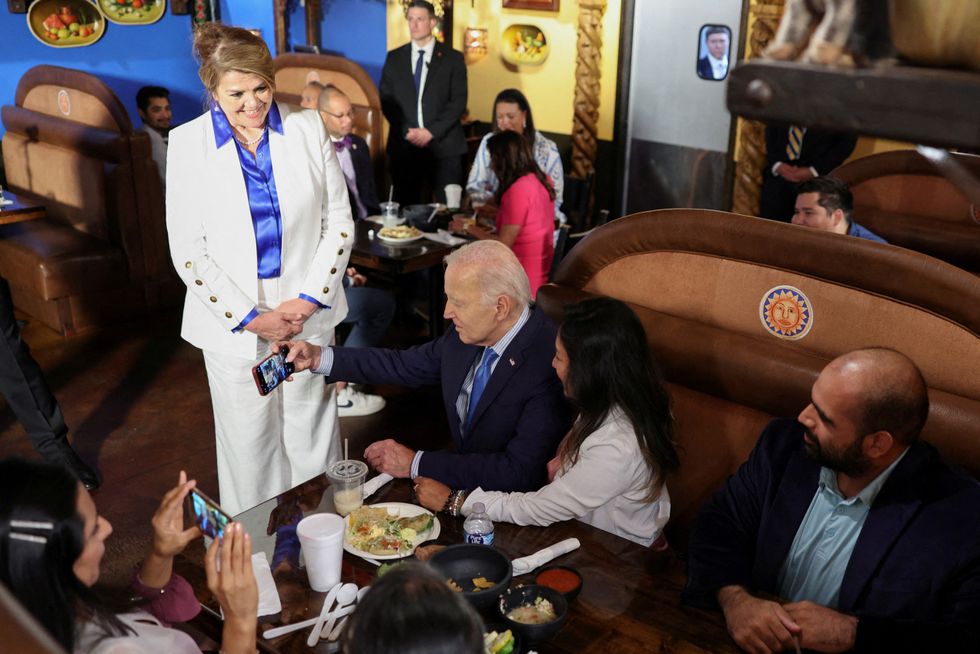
478,507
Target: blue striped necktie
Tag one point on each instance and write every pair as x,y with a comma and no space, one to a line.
794,144
480,380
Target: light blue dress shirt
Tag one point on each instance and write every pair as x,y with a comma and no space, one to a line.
814,568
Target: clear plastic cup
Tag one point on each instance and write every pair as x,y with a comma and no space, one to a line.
389,214
347,481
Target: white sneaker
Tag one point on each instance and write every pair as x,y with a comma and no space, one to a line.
351,402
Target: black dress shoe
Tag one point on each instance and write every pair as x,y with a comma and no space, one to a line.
80,469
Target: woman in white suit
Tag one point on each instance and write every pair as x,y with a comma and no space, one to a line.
260,231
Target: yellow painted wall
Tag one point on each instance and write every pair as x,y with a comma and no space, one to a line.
550,87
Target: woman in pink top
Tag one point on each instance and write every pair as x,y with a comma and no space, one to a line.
526,199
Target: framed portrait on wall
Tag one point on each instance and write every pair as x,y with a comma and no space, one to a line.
540,5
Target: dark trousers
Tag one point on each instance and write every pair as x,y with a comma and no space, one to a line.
419,176
24,388
370,311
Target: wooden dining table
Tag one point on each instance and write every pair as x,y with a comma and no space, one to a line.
16,209
397,259
629,603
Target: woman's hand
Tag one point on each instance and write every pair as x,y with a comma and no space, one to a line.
431,493
234,587
299,306
276,326
470,227
169,536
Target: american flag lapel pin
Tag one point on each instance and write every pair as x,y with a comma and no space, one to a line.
512,362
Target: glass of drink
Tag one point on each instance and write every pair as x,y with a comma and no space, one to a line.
389,214
347,481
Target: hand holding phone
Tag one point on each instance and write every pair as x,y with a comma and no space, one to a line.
211,519
272,371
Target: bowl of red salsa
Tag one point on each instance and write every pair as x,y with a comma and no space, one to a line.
563,579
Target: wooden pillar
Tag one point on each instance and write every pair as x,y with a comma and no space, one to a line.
750,153
279,16
588,59
313,23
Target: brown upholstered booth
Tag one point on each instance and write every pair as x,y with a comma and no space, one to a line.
699,280
905,199
100,253
294,71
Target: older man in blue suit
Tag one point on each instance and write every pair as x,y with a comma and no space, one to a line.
866,538
506,408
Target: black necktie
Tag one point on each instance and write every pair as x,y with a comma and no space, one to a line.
418,71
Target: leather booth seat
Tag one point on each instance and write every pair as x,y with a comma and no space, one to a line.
295,70
904,198
699,281
100,252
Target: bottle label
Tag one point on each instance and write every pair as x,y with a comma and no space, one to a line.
480,539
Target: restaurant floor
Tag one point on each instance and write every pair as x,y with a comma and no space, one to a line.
136,400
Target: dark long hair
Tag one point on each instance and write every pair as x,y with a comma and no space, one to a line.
411,610
610,365
510,159
513,96
37,561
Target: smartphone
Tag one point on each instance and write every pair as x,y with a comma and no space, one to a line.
272,371
210,518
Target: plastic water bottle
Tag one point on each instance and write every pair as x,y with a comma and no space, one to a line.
477,527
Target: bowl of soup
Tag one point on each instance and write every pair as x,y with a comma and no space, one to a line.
535,612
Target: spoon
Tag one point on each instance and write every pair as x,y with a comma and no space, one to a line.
347,594
327,603
432,215
335,634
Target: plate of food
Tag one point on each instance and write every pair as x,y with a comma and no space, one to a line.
389,530
399,234
65,24
133,12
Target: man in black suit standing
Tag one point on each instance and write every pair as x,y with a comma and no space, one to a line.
423,96
714,64
29,397
796,154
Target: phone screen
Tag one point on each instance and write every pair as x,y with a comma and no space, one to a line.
210,518
272,371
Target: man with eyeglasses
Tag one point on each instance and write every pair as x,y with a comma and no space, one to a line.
355,157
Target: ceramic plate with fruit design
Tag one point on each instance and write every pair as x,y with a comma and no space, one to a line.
65,23
524,44
133,12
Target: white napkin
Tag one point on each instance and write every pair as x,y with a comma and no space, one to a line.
444,237
5,201
372,485
526,564
269,603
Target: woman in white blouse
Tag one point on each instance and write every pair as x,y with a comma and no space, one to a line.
609,471
511,112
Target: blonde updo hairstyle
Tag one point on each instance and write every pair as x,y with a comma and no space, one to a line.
221,49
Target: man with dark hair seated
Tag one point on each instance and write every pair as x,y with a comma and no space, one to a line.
863,538
153,105
826,203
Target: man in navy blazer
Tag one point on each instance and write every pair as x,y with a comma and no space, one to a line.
872,542
423,96
504,436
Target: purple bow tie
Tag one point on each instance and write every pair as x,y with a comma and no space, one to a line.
342,144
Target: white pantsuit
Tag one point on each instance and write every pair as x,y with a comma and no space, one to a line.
264,445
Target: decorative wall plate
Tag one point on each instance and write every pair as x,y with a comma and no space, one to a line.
65,23
524,45
133,12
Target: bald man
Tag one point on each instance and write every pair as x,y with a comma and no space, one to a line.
864,537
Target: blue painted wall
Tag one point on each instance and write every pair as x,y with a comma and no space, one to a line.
128,57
